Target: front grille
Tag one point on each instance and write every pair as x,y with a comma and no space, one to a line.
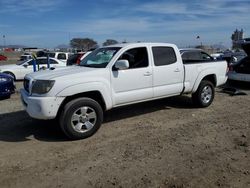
26,84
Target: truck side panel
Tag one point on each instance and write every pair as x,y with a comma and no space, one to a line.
87,87
194,73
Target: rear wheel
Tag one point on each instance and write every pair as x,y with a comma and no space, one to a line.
81,118
204,95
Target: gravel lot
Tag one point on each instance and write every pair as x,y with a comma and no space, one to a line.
164,143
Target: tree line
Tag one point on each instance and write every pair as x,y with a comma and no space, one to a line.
86,44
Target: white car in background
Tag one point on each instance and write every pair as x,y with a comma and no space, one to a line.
19,70
85,55
25,57
63,56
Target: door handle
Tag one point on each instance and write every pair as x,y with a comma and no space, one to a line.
177,70
147,74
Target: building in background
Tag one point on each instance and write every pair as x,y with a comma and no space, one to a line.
237,36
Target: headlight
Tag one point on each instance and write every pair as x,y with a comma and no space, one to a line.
42,86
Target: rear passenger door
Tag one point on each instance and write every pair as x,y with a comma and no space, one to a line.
168,72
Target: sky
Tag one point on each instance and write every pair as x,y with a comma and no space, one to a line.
49,23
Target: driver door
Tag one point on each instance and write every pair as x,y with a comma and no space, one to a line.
134,83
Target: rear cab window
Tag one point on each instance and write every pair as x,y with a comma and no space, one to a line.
164,56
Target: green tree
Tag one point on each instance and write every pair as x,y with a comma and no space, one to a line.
83,43
109,42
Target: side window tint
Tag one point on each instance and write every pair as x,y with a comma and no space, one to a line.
185,56
137,57
30,62
191,57
52,61
61,56
42,61
163,56
52,55
195,56
205,56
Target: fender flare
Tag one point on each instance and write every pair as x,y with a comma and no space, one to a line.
88,87
201,76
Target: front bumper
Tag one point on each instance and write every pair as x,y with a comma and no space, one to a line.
41,107
7,89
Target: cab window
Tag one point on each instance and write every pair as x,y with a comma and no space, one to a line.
163,56
137,57
61,56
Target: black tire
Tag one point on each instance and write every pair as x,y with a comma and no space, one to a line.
77,108
11,74
204,95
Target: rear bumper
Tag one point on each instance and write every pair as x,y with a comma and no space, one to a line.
41,107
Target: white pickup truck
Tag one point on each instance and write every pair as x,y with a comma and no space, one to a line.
115,76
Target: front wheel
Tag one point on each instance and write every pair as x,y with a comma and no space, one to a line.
81,118
204,95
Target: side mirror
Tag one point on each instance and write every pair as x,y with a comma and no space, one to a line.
25,65
122,64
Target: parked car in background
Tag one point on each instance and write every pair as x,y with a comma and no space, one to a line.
191,55
25,57
7,86
75,59
85,55
63,56
18,71
217,56
240,71
3,58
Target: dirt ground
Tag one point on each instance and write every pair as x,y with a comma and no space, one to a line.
164,143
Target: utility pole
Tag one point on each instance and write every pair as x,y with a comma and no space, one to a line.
199,39
4,42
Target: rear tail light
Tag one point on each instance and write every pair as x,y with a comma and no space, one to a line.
230,68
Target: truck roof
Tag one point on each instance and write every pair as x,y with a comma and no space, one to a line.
140,44
190,49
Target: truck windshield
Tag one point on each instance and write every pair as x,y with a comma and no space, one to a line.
99,58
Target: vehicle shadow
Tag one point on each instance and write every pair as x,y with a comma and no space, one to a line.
19,127
237,85
4,98
148,107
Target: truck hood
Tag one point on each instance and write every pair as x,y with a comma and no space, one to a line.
60,72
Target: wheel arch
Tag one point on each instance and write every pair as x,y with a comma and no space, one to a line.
209,77
95,95
10,73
